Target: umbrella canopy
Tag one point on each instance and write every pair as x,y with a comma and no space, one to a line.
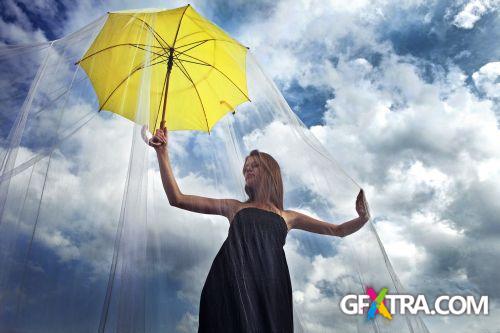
189,70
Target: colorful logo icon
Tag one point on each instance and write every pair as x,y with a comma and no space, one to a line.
378,304
356,304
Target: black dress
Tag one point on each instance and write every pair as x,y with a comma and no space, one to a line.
248,288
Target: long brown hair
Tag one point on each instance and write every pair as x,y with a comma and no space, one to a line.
273,184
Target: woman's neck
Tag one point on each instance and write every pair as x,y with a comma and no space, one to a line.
262,200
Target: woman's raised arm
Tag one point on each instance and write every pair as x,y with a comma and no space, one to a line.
175,197
307,223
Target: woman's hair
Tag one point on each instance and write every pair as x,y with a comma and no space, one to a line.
271,179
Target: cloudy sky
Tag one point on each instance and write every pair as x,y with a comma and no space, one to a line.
404,94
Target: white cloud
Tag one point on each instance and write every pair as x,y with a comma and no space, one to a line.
472,12
486,79
189,323
14,34
21,31
413,145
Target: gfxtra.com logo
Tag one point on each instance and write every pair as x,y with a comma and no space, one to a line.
388,304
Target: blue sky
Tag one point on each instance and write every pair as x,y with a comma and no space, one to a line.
405,95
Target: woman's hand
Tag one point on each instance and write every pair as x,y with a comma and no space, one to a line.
362,206
159,141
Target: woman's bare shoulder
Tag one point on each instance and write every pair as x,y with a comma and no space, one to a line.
289,216
292,217
233,206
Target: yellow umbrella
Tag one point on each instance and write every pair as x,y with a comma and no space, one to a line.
192,71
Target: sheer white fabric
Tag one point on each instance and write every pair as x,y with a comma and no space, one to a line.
88,240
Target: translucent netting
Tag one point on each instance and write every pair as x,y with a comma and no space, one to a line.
88,240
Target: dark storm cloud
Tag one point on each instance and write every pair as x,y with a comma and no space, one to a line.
476,209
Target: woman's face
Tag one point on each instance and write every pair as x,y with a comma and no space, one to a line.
251,171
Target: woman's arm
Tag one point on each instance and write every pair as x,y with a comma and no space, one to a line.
175,197
307,223
192,203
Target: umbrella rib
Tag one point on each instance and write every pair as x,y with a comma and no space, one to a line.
182,68
207,40
155,53
198,41
191,34
154,46
193,62
194,20
128,76
230,40
218,70
185,72
179,26
113,46
192,47
154,32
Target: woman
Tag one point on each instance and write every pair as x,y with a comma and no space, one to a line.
248,287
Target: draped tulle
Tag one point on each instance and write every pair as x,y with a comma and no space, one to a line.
88,241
